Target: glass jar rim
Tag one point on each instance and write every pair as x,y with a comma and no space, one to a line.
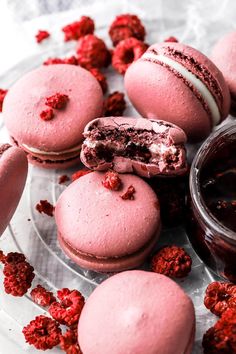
213,224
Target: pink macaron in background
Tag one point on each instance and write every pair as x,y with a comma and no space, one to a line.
13,173
177,83
146,147
224,56
53,143
137,312
101,231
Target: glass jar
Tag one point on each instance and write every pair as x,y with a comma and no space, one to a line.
209,229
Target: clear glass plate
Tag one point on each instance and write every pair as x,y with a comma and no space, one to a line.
35,234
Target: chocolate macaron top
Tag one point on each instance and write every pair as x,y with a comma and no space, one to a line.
147,147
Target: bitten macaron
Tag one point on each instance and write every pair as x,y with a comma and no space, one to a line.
13,173
108,230
46,111
179,84
137,312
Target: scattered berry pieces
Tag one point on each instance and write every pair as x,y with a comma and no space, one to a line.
2,96
79,174
63,179
78,29
68,310
220,296
57,101
45,207
100,77
41,296
126,52
18,274
112,181
69,60
92,52
114,104
47,114
129,194
41,35
126,26
172,261
43,333
171,39
69,342
2,256
221,338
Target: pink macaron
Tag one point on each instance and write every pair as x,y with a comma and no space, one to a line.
102,230
13,173
224,56
134,145
178,84
47,129
137,312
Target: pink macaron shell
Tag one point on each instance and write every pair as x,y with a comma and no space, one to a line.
26,100
97,222
137,312
13,173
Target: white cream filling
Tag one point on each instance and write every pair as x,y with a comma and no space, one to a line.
161,149
197,83
56,153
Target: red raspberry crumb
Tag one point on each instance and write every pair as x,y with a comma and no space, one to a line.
79,174
68,310
92,52
114,104
78,29
45,207
171,39
129,194
112,181
18,274
100,77
47,114
41,296
43,333
126,26
221,338
69,342
220,296
172,261
57,101
41,35
2,96
2,256
126,52
63,179
69,60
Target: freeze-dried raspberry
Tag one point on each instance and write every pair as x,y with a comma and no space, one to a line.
45,207
126,52
47,114
126,26
41,296
172,261
78,29
79,174
63,179
220,296
2,256
92,52
114,104
43,333
69,60
171,39
41,35
2,96
57,101
129,194
112,181
18,274
221,338
69,342
100,77
68,310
